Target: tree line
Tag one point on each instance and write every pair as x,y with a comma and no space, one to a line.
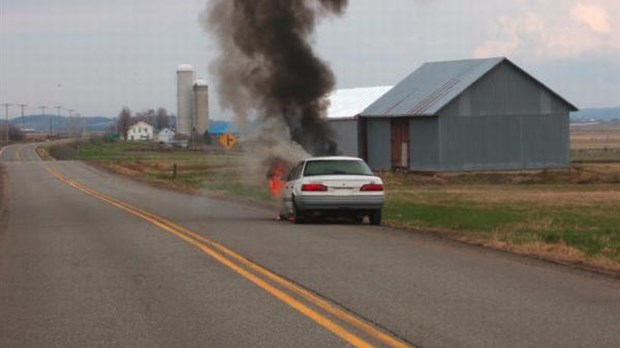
14,133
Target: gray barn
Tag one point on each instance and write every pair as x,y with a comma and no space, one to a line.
344,107
477,114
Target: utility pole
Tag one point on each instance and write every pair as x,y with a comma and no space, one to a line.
6,121
22,107
80,125
71,122
51,120
43,108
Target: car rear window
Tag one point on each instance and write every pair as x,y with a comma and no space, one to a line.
343,167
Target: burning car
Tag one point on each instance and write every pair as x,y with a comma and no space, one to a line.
338,185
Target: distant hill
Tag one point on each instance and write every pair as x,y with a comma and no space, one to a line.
43,123
600,114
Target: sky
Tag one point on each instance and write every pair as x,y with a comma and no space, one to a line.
97,56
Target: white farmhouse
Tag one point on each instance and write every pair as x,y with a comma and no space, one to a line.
165,136
140,131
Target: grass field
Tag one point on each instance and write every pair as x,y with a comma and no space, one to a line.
570,215
560,220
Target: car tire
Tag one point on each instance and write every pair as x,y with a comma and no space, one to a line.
298,215
375,217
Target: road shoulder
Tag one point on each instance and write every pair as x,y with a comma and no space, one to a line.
4,210
4,213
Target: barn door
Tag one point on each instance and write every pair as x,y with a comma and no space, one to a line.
400,143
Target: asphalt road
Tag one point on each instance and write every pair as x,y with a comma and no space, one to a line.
88,258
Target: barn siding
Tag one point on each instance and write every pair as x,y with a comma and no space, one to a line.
503,142
504,121
484,142
546,141
379,145
504,91
346,132
424,144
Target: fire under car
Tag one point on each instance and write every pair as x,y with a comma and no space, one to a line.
332,186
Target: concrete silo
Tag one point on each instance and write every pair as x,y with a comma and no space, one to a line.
201,106
185,99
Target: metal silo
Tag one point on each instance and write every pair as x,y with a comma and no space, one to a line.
201,106
185,99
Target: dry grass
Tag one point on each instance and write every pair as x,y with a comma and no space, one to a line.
608,194
595,137
560,253
43,152
596,143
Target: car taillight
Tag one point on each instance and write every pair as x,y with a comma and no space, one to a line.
313,187
372,187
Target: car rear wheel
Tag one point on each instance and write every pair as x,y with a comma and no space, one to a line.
298,215
375,217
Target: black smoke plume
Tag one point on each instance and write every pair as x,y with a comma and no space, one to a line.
268,68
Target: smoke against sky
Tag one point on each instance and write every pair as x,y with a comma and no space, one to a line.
268,68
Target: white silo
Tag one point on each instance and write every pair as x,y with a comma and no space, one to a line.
201,106
185,99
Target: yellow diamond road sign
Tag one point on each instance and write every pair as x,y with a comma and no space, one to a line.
228,140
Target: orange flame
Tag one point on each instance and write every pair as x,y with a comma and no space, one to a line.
275,180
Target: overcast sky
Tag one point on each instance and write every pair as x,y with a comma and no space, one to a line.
96,56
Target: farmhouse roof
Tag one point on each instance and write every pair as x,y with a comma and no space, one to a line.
434,85
166,130
222,127
141,123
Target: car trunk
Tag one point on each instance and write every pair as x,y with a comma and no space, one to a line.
346,185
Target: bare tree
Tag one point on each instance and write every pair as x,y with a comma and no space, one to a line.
162,119
124,121
149,116
15,134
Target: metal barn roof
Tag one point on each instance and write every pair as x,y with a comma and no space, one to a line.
348,103
434,85
222,127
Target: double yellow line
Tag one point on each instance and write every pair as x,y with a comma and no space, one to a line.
348,327
18,154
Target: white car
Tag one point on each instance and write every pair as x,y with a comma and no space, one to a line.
321,186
